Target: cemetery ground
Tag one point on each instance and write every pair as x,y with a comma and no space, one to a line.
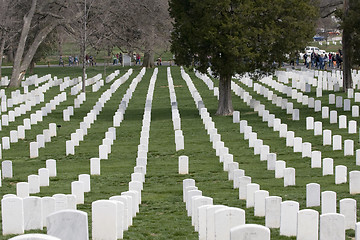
162,212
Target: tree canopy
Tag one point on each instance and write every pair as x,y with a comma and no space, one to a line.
239,36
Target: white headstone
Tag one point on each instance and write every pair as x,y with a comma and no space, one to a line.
315,159
337,142
104,220
354,182
340,174
51,166
272,211
85,178
312,195
328,202
289,177
259,202
243,182
332,226
44,176
279,169
250,232
34,183
77,189
348,209
348,147
328,166
48,207
225,219
68,224
183,165
12,213
95,166
6,167
22,189
32,213
288,218
250,194
307,225
342,121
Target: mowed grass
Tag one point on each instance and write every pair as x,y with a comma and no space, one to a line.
162,212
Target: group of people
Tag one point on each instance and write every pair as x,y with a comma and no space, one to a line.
322,61
73,61
117,59
90,60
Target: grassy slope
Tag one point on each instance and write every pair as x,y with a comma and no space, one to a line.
162,213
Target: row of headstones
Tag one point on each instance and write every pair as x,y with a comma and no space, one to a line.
209,83
112,76
218,222
299,146
61,201
304,148
175,114
316,104
233,170
77,84
28,99
34,119
333,114
352,129
91,116
35,80
348,203
326,80
304,224
109,216
281,171
221,151
333,119
309,77
110,136
24,84
59,215
119,114
245,181
69,111
34,181
112,217
42,139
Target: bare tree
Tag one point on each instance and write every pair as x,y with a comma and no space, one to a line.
328,8
9,23
46,16
140,25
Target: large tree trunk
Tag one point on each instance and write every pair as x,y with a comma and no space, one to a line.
225,107
2,48
31,67
149,59
10,54
17,74
346,45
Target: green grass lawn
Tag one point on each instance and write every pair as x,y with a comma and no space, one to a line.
162,212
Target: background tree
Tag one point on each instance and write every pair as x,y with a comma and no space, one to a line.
348,13
350,24
234,36
140,25
43,17
9,24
